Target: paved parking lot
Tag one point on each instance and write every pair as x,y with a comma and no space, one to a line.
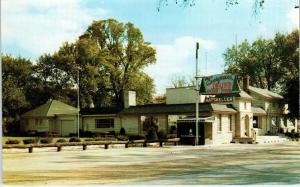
226,164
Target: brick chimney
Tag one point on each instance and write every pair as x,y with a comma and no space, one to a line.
129,98
246,83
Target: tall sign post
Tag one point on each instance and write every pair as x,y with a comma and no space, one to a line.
197,95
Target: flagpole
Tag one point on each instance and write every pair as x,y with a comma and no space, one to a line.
197,95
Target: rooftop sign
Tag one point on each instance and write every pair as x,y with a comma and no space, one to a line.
219,84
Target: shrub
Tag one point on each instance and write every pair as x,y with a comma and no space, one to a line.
122,138
281,131
12,142
46,140
122,131
74,139
89,139
152,135
61,140
108,138
297,135
291,135
162,134
136,137
293,131
30,141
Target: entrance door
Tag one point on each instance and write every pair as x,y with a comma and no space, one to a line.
247,130
67,127
184,128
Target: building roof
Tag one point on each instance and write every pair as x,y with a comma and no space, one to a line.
50,109
265,93
102,110
175,108
245,95
256,110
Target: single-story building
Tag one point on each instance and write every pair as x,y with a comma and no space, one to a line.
52,117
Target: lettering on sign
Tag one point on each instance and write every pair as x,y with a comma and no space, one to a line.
218,99
219,84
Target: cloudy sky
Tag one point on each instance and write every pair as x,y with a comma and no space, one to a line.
33,27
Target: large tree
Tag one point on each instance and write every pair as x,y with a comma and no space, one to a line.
271,64
110,57
16,73
122,54
257,60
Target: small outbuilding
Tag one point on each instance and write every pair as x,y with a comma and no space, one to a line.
53,117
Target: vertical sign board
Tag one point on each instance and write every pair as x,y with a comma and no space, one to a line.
220,84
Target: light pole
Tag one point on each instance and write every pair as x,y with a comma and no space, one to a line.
78,105
197,95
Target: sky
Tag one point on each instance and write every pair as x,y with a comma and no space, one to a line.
30,28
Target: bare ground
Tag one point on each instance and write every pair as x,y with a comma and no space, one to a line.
224,164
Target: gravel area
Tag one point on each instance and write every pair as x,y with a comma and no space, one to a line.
223,164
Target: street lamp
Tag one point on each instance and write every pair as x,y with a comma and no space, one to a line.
197,95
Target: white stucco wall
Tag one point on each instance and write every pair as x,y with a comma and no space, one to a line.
225,135
130,123
182,95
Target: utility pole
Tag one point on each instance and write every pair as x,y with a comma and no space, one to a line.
197,95
78,105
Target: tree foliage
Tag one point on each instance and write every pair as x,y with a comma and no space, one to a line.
109,57
16,72
271,63
123,54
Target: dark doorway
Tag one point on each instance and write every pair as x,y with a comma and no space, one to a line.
186,131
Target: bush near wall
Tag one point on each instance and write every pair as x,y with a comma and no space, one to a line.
74,139
152,135
107,138
30,141
62,140
46,140
122,138
12,142
161,134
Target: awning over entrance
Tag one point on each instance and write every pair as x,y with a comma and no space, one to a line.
202,119
258,111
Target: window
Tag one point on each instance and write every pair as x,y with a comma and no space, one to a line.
255,122
104,123
245,105
230,122
220,123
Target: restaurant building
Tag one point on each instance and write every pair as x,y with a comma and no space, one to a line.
241,117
